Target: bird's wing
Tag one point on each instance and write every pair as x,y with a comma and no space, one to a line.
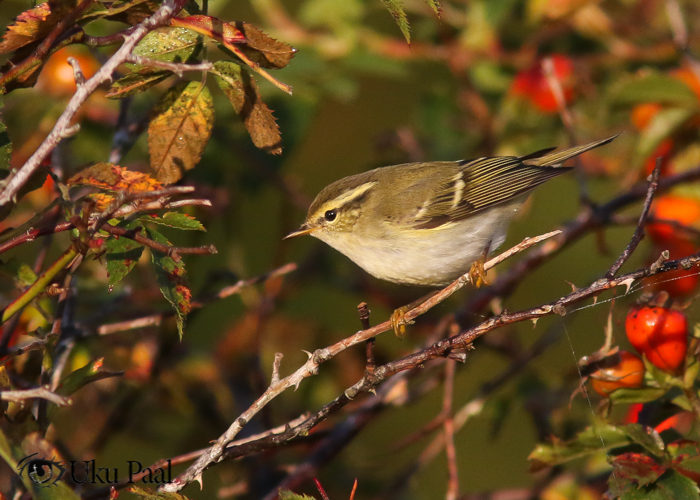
482,183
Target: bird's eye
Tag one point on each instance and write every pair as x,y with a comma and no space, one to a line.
330,215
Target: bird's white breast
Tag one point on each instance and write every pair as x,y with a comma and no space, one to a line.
426,256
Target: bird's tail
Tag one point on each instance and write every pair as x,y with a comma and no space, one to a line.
557,158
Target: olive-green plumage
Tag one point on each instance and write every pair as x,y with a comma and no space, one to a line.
426,223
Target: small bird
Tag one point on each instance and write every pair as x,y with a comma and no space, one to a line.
430,223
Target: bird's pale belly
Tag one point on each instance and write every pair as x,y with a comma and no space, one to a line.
433,257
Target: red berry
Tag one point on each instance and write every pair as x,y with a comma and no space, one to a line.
660,334
532,83
627,371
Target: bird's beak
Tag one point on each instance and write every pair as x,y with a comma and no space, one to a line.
302,231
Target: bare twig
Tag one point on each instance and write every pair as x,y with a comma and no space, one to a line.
17,179
38,393
178,68
155,319
33,234
639,232
449,431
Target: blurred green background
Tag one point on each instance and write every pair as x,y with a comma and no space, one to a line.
362,98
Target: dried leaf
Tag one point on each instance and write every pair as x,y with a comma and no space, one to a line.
263,49
180,130
396,9
83,376
128,11
114,178
172,280
242,91
175,220
34,24
136,82
173,45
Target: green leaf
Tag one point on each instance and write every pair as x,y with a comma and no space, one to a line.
135,82
173,45
172,280
396,9
670,486
641,395
586,442
180,130
435,5
83,376
155,495
290,495
646,437
242,91
655,87
122,255
175,220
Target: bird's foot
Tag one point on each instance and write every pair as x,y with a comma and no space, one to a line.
477,273
399,322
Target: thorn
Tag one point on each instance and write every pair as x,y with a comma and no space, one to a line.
199,479
534,322
307,353
574,288
628,283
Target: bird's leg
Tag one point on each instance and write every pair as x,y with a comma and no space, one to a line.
397,319
477,273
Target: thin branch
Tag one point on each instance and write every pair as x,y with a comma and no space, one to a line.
17,179
449,431
216,452
155,319
169,250
178,68
639,232
33,234
38,393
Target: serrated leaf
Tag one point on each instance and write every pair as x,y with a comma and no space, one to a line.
122,255
5,143
655,87
155,495
117,8
136,82
435,5
26,275
241,89
34,24
396,9
172,280
180,130
641,395
173,45
175,220
112,177
263,49
646,437
637,467
670,486
586,442
290,495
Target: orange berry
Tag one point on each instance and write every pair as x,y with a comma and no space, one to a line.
628,371
660,334
56,76
685,211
